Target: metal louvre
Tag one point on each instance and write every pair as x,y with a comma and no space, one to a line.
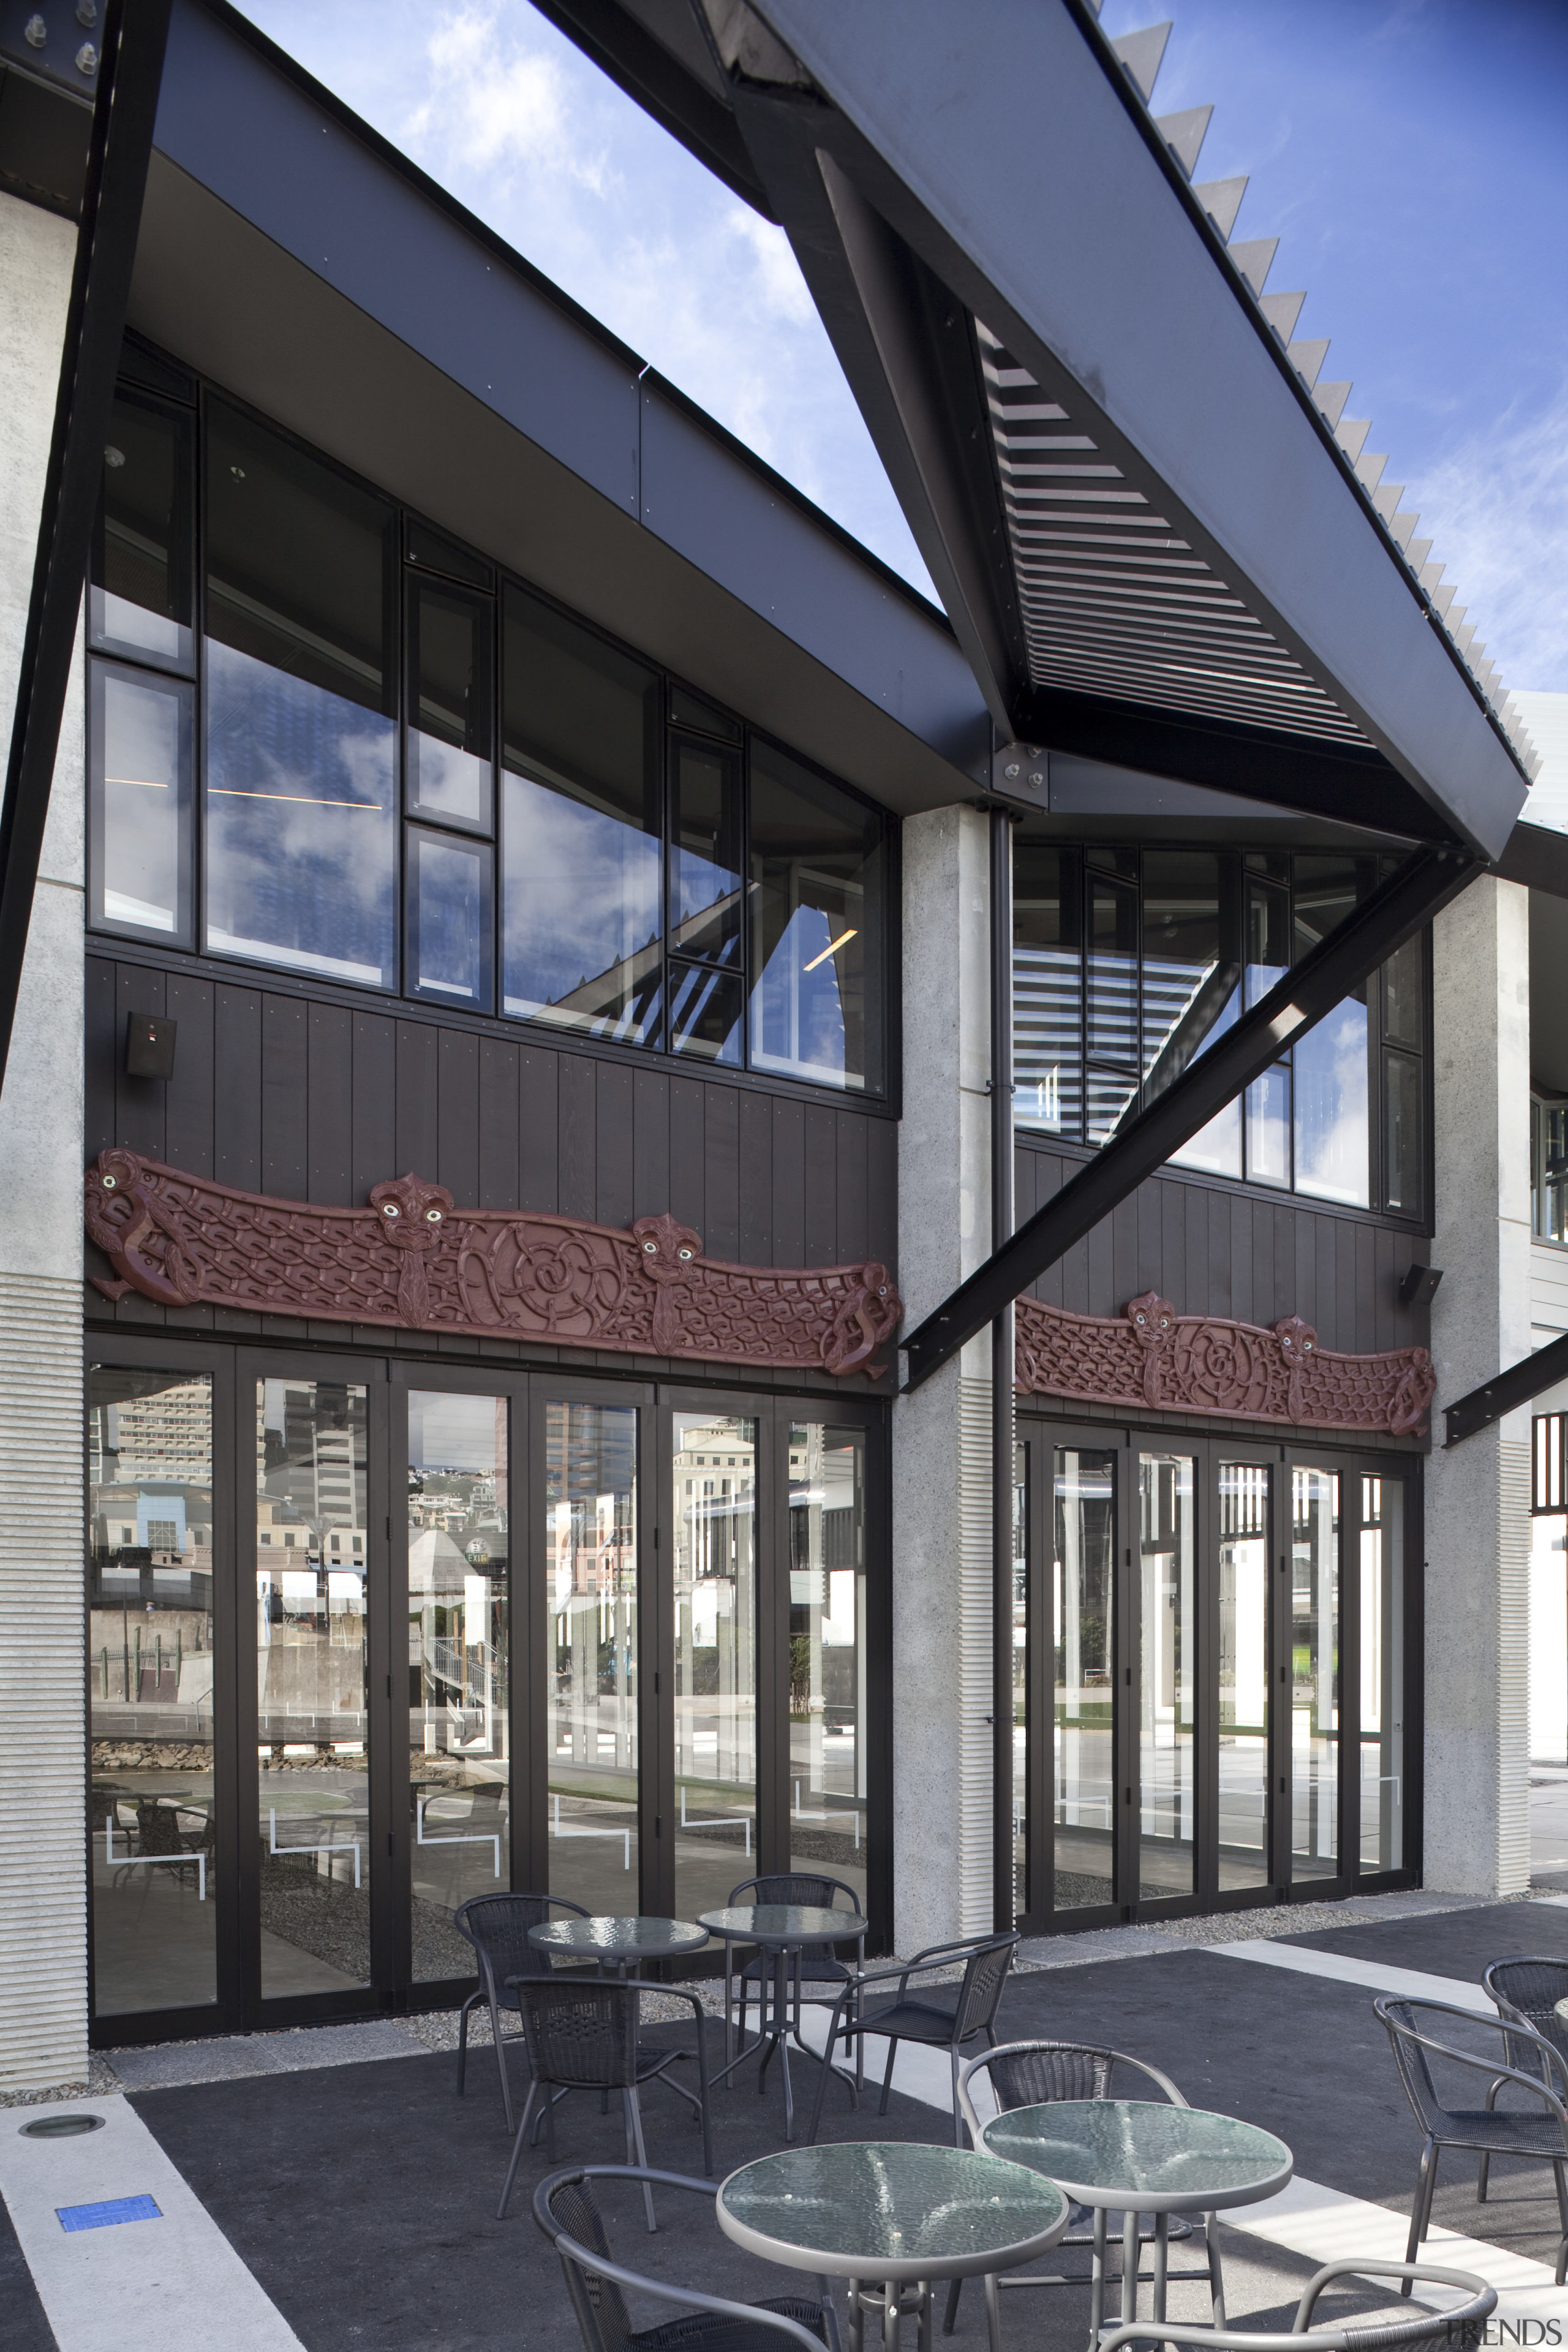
1112,600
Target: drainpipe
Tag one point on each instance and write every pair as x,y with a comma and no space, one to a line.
1004,1906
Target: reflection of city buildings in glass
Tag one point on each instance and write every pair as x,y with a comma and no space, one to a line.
166,1435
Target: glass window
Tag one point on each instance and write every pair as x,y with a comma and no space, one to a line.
591,1605
1269,1127
1048,986
1191,985
449,774
301,740
1111,1080
459,1740
450,923
1167,1678
1332,1132
312,1668
150,1689
1083,1567
433,552
581,852
1404,996
715,1600
1549,1169
1403,1137
1244,1496
1382,1674
689,710
817,882
705,1013
1314,1674
705,885
828,1758
138,600
1021,1896
139,791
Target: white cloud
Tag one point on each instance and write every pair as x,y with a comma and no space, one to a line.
1496,507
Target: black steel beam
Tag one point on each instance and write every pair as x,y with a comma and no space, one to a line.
1324,977
136,33
1506,1390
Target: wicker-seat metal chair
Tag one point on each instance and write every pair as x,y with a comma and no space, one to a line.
1428,2331
1033,2075
1490,2130
985,1960
565,2210
582,2035
1526,1992
497,1925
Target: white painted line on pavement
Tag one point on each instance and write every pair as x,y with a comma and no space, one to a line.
1415,1984
140,2286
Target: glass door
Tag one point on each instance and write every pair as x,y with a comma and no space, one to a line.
1314,1666
320,1834
1083,1630
457,1455
1166,1675
1380,1606
1243,1812
828,1746
714,1563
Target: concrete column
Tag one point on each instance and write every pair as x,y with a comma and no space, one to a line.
942,1435
43,1893
1476,1805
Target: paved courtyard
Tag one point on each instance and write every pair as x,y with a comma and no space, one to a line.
325,2188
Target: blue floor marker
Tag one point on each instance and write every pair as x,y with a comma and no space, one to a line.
104,2216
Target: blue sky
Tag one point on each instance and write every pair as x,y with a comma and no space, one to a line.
1410,155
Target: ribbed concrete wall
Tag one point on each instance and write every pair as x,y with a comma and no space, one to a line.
43,1891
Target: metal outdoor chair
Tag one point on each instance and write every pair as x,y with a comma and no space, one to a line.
1491,2130
564,2208
986,1960
808,1968
1033,2075
1525,1992
497,1925
582,2035
1429,2331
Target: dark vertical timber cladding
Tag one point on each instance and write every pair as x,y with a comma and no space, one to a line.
457,1160
615,1145
140,1100
720,1126
688,1191
578,1175
374,1103
500,1152
882,1191
821,1191
650,1143
188,1138
417,1120
330,1107
100,1057
236,1092
539,1124
789,1183
754,1235
850,1140
284,1148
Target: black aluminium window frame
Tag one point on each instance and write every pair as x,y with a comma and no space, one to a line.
671,686
1040,1433
234,1367
1381,1045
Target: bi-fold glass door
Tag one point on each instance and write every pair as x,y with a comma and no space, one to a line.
368,1638
1210,1670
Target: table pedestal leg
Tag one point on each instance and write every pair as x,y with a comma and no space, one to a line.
1161,2255
781,2022
857,2318
1216,2277
1128,2267
1096,2281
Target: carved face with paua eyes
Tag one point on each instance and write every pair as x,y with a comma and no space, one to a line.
666,1250
414,1215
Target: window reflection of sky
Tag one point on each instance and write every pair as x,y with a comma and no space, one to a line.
797,1016
581,892
301,829
1333,1142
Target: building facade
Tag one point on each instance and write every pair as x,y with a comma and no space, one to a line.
515,966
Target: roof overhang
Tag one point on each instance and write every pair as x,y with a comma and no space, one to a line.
300,263
1150,545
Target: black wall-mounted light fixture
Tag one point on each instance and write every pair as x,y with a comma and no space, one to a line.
1418,1283
150,1045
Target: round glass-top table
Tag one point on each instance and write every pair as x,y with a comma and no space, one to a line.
1140,2156
617,1942
891,2214
781,1928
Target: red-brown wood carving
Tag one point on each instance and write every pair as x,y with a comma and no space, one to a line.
415,1259
1149,1355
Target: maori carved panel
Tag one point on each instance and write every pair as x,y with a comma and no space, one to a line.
413,1258
1149,1355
